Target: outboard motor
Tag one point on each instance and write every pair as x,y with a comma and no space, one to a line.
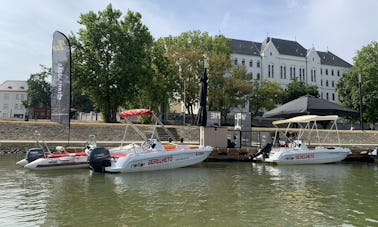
265,150
99,158
34,154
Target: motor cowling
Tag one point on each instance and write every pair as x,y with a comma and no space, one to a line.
99,158
34,154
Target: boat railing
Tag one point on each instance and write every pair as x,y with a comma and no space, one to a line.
41,143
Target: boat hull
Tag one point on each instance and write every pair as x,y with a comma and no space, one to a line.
157,160
60,161
289,156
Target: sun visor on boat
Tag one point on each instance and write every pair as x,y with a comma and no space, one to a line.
306,119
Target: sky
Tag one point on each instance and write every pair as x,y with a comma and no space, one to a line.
340,26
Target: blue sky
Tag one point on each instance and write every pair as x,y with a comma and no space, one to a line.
340,26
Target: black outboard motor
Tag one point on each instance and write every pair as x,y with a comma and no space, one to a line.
265,150
99,158
34,154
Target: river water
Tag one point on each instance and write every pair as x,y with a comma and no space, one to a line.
208,194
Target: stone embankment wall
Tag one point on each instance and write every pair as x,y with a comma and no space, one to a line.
18,136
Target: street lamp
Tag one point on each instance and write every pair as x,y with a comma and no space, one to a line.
360,86
184,107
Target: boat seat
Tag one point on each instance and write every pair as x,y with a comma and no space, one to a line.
170,147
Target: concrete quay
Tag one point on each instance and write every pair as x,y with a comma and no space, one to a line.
19,136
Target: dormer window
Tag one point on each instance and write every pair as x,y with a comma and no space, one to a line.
9,87
22,87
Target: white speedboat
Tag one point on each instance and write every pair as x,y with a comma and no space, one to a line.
150,155
294,151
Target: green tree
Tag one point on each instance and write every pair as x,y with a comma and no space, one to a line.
160,90
111,58
266,95
365,65
297,89
39,91
230,91
187,53
81,101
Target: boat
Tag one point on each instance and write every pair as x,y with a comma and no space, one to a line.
374,154
41,158
150,155
294,150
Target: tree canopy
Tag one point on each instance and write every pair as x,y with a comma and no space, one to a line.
39,90
297,89
186,53
365,66
111,58
265,95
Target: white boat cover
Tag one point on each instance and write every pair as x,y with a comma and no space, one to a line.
306,119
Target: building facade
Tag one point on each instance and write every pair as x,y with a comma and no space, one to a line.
283,60
12,93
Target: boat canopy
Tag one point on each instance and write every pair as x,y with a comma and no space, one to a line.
306,119
136,113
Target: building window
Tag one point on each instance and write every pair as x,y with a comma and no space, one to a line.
16,106
250,63
313,75
327,84
258,76
326,72
22,97
333,96
338,72
258,64
291,73
271,71
243,61
327,96
235,61
5,106
281,72
332,72
321,82
321,71
6,96
302,74
333,83
284,72
270,53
